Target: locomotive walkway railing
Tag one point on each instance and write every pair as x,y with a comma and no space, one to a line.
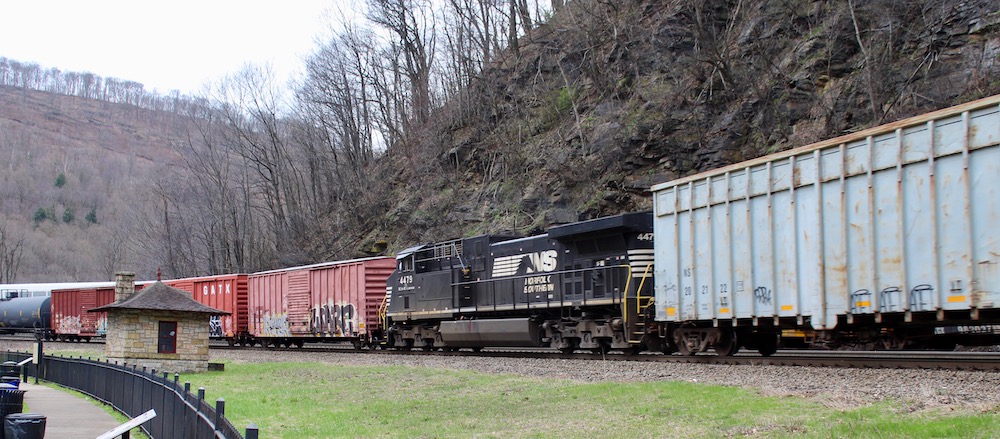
133,391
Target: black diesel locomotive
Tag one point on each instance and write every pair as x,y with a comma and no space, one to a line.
586,285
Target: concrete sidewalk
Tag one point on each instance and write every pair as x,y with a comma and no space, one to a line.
68,416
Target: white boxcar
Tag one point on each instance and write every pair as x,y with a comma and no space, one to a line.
899,223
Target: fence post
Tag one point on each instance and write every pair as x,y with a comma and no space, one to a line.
220,413
251,431
163,407
187,394
201,398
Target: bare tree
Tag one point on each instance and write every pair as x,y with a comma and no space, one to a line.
412,24
11,253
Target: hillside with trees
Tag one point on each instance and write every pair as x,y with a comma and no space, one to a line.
433,120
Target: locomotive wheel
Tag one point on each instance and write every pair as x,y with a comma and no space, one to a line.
727,345
668,348
573,344
603,348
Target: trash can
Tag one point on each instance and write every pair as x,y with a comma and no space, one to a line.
15,382
24,426
10,373
9,368
11,402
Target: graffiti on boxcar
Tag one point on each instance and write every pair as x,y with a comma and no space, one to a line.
919,296
215,326
275,326
762,295
339,319
70,325
220,326
101,327
888,299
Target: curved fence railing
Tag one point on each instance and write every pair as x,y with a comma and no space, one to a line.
133,391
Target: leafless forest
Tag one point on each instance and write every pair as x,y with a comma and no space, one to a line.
432,120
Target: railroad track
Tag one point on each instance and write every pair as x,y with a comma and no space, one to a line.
984,361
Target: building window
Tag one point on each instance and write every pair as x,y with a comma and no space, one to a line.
167,342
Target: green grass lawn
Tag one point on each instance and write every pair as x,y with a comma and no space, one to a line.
314,400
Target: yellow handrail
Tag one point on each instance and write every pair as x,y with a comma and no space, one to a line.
638,298
383,311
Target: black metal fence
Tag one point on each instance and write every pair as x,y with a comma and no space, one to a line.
134,391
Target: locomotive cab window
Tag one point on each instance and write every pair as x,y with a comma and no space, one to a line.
167,340
406,264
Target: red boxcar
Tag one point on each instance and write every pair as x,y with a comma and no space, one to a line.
70,319
227,292
334,301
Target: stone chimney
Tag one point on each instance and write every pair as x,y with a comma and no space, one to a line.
124,286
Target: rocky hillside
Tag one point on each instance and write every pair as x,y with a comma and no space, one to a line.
608,98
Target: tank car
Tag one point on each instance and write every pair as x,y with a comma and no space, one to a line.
578,286
885,238
24,314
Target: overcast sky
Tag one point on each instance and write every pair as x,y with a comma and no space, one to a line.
165,44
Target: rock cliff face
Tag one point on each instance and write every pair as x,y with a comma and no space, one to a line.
608,98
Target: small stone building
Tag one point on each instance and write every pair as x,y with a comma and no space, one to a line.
159,328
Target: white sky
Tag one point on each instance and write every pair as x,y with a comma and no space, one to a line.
165,44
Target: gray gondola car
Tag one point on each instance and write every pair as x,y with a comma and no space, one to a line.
884,238
580,285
